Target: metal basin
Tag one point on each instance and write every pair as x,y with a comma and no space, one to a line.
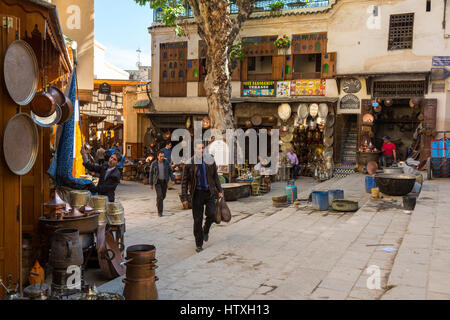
395,184
345,205
84,224
393,170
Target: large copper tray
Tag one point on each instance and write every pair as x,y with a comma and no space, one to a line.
21,72
20,144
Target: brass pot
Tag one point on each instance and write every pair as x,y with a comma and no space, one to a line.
99,202
79,198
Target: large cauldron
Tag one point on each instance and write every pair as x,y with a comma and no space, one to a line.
395,184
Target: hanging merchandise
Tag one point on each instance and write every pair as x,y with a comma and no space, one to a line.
314,110
323,110
284,111
21,72
20,144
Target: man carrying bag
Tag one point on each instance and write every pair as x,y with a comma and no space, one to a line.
201,183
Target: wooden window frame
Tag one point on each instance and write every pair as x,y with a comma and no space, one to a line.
401,35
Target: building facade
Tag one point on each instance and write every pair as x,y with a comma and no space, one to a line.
345,54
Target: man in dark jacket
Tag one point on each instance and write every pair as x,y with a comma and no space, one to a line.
109,175
201,180
160,172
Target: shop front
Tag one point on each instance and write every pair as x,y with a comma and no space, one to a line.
400,110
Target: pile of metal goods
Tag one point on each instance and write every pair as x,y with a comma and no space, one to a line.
140,281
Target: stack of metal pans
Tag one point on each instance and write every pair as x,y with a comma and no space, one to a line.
99,205
115,213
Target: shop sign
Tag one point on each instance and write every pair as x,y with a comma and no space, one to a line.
441,61
438,87
314,87
259,89
104,88
283,89
350,101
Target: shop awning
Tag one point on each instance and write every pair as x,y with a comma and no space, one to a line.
309,99
143,104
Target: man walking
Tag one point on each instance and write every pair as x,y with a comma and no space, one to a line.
160,172
109,175
200,178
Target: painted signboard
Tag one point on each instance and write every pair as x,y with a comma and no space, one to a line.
441,61
259,89
313,87
283,89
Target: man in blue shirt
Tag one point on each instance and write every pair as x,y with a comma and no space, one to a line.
167,150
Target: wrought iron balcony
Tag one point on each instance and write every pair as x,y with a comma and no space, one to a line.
260,6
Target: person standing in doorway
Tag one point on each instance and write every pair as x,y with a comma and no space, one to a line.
389,152
100,156
293,159
160,173
200,183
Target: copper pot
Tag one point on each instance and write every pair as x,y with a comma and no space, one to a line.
388,102
140,290
141,271
57,94
368,118
43,104
67,110
248,124
141,254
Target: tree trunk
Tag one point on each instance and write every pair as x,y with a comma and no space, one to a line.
219,31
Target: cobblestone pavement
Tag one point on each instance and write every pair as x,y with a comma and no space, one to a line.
295,252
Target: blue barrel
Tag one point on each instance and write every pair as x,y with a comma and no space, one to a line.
370,184
291,191
335,195
320,200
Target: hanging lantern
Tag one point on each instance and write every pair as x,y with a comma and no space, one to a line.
388,102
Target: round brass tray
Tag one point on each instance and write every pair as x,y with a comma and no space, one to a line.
21,72
20,144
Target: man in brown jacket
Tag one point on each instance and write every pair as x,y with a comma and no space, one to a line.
200,183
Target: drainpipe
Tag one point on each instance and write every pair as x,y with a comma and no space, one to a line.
445,14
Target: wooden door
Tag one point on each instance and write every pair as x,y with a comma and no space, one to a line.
244,69
10,215
278,67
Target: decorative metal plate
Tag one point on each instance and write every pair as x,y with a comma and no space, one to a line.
21,72
351,85
20,144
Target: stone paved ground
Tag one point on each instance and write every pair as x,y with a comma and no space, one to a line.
296,252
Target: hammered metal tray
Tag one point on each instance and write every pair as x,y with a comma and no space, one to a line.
20,144
21,72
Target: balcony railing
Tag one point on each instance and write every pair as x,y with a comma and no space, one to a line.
260,6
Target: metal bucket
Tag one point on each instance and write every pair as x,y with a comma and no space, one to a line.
335,195
66,249
98,202
115,213
320,200
79,198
